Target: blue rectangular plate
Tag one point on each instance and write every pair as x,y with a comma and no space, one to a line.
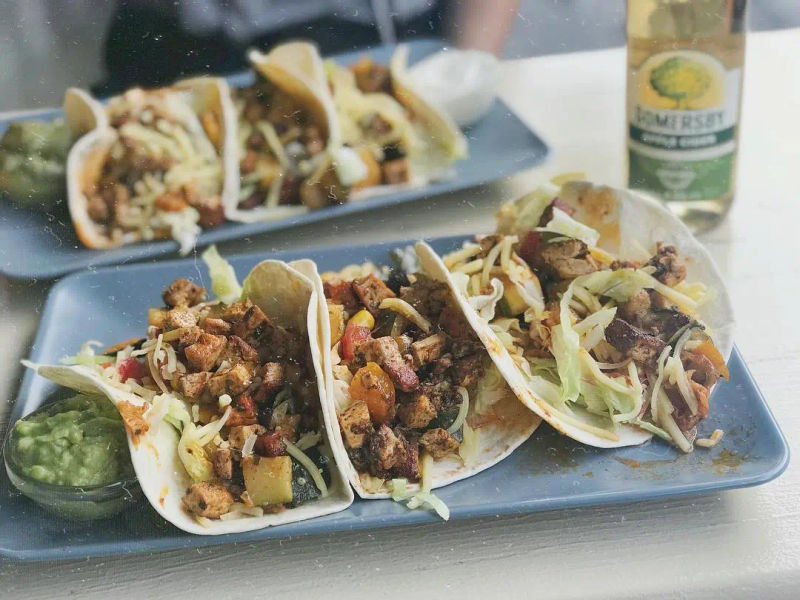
547,472
36,245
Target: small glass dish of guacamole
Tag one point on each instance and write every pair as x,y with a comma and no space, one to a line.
71,457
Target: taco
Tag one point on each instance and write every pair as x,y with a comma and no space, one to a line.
151,164
223,401
606,316
291,160
418,400
401,137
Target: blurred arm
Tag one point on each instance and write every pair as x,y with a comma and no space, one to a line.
482,25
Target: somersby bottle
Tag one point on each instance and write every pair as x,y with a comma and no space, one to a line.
685,60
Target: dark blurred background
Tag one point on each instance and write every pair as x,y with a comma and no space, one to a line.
48,45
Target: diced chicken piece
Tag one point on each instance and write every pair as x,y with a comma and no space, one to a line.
565,259
417,413
468,370
633,342
387,449
223,463
189,336
454,323
270,444
210,208
208,500
243,411
183,292
662,322
286,425
386,353
192,385
179,317
371,77
371,291
703,370
429,297
410,466
280,344
215,326
238,434
355,422
272,378
205,352
245,318
133,419
232,380
404,342
670,269
313,141
428,349
237,350
438,443
634,308
395,171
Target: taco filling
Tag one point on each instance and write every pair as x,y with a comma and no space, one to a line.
619,339
241,392
413,384
399,137
283,158
163,174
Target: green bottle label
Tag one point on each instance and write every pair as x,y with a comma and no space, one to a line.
683,115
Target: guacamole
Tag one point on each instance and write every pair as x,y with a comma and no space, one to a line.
33,158
79,441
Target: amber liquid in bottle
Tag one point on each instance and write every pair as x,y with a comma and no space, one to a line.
685,64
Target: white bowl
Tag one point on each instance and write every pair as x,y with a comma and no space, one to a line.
461,82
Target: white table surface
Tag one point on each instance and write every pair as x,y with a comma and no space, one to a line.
738,544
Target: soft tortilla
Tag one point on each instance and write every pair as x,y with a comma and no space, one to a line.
296,68
87,117
290,299
628,223
497,441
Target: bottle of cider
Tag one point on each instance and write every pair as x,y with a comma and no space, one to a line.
685,61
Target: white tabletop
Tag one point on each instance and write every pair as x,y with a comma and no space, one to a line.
740,544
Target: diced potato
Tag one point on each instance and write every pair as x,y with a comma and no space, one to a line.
336,318
268,480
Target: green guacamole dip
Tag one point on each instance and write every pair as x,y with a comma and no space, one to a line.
79,441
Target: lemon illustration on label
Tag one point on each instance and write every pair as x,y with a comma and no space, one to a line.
680,79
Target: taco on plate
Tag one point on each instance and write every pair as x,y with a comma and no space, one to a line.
151,164
418,401
402,138
223,401
609,318
291,159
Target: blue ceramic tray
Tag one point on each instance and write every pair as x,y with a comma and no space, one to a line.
36,245
545,473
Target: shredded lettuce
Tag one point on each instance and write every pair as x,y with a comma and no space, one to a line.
565,225
86,356
223,277
422,498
